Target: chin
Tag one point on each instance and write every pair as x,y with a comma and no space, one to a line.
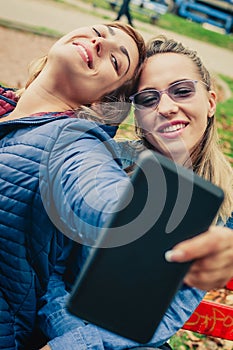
173,149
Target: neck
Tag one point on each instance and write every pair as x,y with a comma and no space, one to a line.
36,99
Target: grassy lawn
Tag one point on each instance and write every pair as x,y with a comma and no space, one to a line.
224,116
194,30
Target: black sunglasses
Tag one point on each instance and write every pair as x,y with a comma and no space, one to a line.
178,92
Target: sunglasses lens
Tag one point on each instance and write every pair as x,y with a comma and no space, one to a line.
182,90
146,99
177,92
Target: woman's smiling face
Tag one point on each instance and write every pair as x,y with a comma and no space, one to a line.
174,127
93,61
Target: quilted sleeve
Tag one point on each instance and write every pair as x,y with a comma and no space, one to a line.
7,341
80,181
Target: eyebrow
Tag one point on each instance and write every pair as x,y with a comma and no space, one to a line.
125,52
122,48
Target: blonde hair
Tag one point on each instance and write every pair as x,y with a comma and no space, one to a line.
105,111
207,157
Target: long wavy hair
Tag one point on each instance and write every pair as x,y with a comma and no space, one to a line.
113,107
207,157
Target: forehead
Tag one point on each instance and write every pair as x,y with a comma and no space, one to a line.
168,67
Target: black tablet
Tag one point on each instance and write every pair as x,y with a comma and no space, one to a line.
126,284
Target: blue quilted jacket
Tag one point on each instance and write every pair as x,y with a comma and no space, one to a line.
30,237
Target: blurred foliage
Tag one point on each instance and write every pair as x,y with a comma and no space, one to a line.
224,115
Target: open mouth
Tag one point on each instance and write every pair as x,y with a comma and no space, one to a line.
172,128
86,56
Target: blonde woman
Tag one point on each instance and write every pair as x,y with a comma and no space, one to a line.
88,66
174,111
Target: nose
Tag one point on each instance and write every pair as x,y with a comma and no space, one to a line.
167,106
98,44
102,44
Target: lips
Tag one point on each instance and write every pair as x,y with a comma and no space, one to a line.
173,129
85,53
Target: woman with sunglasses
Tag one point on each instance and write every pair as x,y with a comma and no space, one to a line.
86,67
174,113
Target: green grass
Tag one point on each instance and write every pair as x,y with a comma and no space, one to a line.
185,340
30,29
224,115
194,30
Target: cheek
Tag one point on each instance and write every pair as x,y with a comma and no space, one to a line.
108,82
91,94
197,114
196,131
201,128
201,121
144,122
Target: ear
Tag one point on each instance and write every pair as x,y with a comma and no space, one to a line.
212,100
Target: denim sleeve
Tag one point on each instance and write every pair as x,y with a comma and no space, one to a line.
66,331
229,222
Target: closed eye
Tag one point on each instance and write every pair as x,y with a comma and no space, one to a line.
150,99
182,91
113,58
97,32
115,63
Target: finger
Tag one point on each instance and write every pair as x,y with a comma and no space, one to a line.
209,277
215,240
214,262
206,281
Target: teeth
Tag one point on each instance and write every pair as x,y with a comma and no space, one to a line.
84,52
173,128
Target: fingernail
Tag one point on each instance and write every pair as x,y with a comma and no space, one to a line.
174,255
168,255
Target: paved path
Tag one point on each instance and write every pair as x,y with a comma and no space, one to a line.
63,18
